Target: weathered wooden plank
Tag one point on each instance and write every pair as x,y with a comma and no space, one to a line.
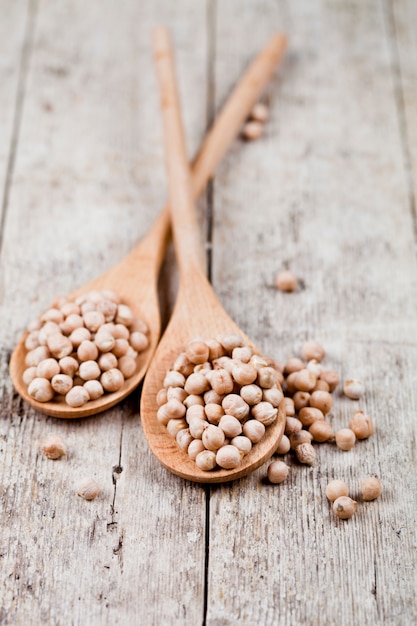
87,183
15,32
324,193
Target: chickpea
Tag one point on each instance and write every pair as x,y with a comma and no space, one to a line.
309,415
242,354
371,489
321,400
251,394
292,425
89,370
29,374
252,130
272,395
293,364
197,427
196,384
301,436
344,507
353,389
331,378
221,381
41,390
277,472
139,326
49,328
194,448
265,413
301,400
229,457
87,351
236,406
183,365
68,365
120,331
244,374
183,439
213,437
259,113
197,352
286,281
71,322
232,341
214,413
104,341
124,315
127,365
174,379
108,309
284,445
242,443
212,397
216,349
195,411
161,396
313,350
335,489
175,425
78,336
253,430
345,439
77,396
32,340
94,389
120,347
289,407
107,361
112,379
139,341
174,392
47,369
34,357
93,320
61,383
305,453
362,425
230,426
304,380
206,460
321,431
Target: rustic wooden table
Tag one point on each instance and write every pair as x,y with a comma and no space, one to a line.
329,192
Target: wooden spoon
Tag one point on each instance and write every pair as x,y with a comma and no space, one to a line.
197,312
135,277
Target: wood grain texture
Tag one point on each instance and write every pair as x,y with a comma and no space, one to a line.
326,192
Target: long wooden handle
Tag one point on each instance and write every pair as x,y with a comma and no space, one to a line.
226,127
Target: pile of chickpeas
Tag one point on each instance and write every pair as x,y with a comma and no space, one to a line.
80,349
218,399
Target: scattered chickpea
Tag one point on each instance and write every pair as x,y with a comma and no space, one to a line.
54,447
304,380
301,436
305,453
277,472
321,400
292,425
321,431
344,507
309,415
362,425
284,445
331,378
88,489
353,388
289,407
286,281
259,113
371,489
345,439
313,350
252,130
335,489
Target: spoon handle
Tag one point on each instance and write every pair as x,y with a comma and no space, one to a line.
227,126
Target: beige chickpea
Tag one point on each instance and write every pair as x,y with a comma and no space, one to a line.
258,362
127,365
197,427
34,357
230,426
321,385
120,331
331,378
252,130
292,425
277,472
120,347
175,409
231,341
362,425
195,411
224,362
59,345
93,320
212,397
87,307
89,370
175,392
139,341
244,374
204,368
286,281
242,443
206,460
344,507
336,489
251,394
68,365
236,406
197,352
29,374
314,366
371,489
139,326
242,354
47,368
304,380
88,489
293,364
107,361
214,413
196,446
301,400
61,383
124,315
78,336
265,413
290,387
71,322
175,425
33,325
321,400
54,447
267,377
104,341
309,415
196,384
77,396
174,379
229,457
321,431
162,396
353,388
112,380
259,113
41,390
216,349
94,389
32,340
49,328
289,407
345,439
301,436
87,351
70,308
183,365
221,381
183,439
305,453
213,437
108,308
313,350
284,445
193,399
253,430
